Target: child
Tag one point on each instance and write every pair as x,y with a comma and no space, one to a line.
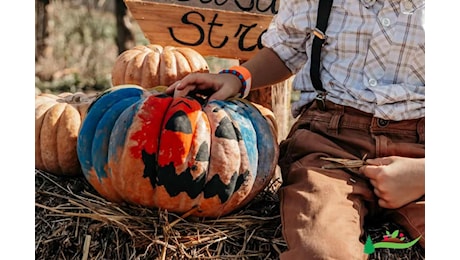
367,101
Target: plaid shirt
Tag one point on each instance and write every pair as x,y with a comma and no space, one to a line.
374,59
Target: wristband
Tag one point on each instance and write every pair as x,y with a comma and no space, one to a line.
244,76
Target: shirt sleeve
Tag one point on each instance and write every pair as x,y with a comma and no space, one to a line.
287,34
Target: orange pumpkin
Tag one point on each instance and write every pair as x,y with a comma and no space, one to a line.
151,149
155,65
57,122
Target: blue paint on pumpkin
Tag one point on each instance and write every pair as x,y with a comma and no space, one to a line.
120,130
248,134
265,139
95,112
102,134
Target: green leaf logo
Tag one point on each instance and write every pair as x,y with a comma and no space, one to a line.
389,241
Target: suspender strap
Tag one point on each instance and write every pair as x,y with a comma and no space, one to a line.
324,10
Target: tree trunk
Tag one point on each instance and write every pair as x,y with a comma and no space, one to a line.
125,38
41,27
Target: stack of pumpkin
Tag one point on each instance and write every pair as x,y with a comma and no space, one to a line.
135,144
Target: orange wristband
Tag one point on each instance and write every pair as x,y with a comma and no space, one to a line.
244,76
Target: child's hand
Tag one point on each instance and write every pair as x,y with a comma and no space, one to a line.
396,180
216,86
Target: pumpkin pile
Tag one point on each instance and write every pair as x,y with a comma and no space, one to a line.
58,117
135,144
57,121
182,154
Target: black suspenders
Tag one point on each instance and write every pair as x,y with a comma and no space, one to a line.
319,40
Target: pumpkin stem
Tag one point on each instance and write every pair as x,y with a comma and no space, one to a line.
201,96
75,98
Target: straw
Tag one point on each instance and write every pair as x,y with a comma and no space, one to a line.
73,222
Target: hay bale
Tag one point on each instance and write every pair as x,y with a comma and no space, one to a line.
68,213
73,222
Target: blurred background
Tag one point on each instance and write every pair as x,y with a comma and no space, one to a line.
77,42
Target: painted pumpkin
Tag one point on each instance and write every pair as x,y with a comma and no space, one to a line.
155,65
147,148
57,122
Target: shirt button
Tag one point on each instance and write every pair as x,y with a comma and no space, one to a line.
386,22
408,5
373,82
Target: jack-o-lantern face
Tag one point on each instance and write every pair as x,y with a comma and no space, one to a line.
151,149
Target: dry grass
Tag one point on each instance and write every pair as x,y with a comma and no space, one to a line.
73,222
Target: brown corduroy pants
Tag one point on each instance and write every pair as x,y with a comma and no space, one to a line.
323,210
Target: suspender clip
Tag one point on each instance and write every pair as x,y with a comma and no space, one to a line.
321,100
320,35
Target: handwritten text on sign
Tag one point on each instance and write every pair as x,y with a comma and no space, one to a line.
214,32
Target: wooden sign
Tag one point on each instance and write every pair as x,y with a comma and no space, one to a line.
221,28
